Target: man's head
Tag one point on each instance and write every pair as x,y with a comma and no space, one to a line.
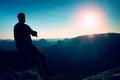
21,17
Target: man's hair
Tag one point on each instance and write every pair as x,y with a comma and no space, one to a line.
21,16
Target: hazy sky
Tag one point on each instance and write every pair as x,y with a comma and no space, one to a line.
55,18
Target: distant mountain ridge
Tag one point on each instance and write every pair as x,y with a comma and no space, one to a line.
41,44
45,43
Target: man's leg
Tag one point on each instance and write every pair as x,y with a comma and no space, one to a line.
35,52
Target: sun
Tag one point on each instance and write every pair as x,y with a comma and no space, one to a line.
89,20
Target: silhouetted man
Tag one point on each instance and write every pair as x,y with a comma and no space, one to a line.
22,36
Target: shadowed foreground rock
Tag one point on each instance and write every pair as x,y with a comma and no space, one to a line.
18,66
113,74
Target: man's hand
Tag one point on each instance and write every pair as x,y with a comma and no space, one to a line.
34,33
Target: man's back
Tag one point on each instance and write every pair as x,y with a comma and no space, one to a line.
22,35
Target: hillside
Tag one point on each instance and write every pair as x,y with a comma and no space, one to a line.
85,55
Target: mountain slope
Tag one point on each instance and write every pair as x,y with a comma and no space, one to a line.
85,55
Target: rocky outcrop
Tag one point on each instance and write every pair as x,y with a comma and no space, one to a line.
18,66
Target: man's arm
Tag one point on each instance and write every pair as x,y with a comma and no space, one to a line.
33,33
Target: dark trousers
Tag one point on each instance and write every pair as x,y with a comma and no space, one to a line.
33,51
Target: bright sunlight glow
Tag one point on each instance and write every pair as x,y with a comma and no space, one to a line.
89,20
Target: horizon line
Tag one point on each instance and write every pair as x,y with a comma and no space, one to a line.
70,37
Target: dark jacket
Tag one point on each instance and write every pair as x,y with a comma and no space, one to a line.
22,36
